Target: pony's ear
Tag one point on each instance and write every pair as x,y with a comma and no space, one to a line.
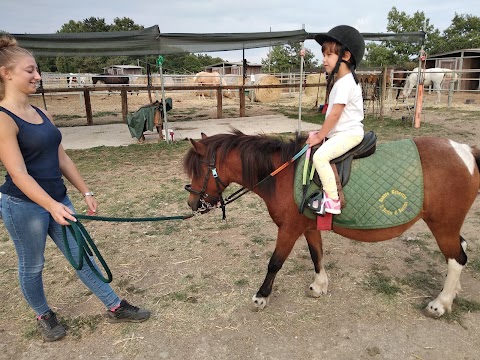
203,135
198,147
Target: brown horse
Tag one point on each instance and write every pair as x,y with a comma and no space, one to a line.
448,168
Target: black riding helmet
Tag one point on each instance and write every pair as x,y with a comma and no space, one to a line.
347,36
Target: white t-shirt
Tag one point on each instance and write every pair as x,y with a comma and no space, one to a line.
346,91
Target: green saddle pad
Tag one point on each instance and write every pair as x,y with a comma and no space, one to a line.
384,189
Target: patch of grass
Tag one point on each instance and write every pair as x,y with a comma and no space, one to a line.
461,307
241,282
259,240
382,284
474,265
66,117
104,113
76,326
422,281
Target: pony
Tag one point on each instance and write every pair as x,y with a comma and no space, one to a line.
432,77
204,78
214,162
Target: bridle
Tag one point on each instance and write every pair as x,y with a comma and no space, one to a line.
206,205
235,195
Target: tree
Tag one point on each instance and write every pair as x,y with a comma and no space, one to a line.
285,58
94,64
463,33
398,52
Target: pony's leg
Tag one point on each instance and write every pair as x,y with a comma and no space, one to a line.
285,241
451,287
320,282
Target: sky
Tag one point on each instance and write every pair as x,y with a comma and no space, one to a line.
216,16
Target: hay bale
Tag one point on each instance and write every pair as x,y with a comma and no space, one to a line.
267,95
314,90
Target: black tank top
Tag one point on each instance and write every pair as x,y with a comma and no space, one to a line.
39,146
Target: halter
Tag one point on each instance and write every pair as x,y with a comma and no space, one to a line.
235,195
203,192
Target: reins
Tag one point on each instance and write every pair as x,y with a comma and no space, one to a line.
235,195
86,246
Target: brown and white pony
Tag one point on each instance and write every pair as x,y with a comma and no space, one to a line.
448,168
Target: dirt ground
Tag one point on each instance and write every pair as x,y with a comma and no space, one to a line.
198,275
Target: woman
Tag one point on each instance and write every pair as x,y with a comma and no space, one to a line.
34,201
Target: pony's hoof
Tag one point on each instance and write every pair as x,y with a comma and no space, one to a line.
434,310
259,303
315,291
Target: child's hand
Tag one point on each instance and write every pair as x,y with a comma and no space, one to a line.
313,138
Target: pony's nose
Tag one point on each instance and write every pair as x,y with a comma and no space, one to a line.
193,202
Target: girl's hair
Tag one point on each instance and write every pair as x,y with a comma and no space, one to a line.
331,46
10,51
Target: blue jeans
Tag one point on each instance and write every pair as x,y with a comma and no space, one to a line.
28,225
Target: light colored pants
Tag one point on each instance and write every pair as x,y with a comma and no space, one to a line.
329,150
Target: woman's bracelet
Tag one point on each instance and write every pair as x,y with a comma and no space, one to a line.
90,193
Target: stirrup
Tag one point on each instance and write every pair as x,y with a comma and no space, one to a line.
315,203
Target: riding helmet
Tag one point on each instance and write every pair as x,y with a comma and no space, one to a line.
348,36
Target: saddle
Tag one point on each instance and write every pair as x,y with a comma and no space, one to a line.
342,167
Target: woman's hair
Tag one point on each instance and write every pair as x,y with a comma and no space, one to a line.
10,51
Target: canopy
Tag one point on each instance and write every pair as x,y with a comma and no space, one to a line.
150,41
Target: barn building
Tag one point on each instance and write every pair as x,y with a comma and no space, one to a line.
234,68
466,61
123,70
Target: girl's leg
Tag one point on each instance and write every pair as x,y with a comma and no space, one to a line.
102,290
329,150
27,224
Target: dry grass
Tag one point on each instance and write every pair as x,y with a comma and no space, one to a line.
198,275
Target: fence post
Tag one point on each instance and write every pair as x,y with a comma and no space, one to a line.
450,93
88,107
219,103
123,94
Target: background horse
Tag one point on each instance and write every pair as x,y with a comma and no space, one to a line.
204,78
448,168
433,77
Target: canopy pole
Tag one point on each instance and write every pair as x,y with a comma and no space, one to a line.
302,56
164,105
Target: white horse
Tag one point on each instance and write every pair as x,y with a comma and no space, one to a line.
433,77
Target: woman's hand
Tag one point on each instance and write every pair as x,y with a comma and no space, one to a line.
92,205
61,213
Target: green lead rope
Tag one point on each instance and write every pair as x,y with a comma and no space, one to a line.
86,246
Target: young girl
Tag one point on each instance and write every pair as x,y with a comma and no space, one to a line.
343,48
33,199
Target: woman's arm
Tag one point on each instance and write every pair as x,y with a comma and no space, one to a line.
71,173
12,159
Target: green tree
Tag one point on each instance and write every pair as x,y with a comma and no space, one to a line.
463,33
401,53
285,58
95,64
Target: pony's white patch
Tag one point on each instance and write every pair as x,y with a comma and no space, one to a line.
444,300
320,284
465,154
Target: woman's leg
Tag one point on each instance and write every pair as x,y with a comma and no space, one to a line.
102,290
27,224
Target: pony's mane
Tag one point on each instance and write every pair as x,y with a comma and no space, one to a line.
256,153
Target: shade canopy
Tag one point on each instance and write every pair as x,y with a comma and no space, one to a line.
150,41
